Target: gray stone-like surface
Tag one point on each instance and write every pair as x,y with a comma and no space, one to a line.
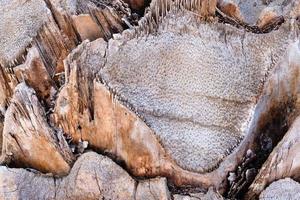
153,189
210,195
252,10
69,6
22,184
283,189
96,177
93,176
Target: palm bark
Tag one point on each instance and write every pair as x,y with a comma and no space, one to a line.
71,79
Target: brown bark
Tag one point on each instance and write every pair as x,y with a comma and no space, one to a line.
280,97
231,9
105,18
109,126
28,140
283,162
34,72
5,90
91,114
86,27
208,8
137,5
280,91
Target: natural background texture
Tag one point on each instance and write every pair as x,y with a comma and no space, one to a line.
140,99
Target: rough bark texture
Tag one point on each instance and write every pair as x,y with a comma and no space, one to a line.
140,87
36,75
108,125
282,162
137,5
160,90
28,141
187,103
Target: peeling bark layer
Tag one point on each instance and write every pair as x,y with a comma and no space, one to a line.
54,33
90,19
36,75
21,28
251,99
180,96
282,162
108,125
62,30
28,141
41,31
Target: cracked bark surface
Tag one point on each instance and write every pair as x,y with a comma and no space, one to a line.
197,92
120,75
28,139
282,162
92,19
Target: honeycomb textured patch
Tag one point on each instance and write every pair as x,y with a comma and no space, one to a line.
20,22
195,84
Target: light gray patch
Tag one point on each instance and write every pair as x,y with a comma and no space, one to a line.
194,84
20,22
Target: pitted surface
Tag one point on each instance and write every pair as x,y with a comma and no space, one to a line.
281,190
194,84
20,22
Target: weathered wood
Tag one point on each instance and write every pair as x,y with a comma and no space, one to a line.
34,72
5,90
86,27
283,162
108,16
147,96
1,131
109,126
28,140
78,115
137,5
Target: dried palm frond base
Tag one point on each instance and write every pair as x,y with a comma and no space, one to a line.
199,92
